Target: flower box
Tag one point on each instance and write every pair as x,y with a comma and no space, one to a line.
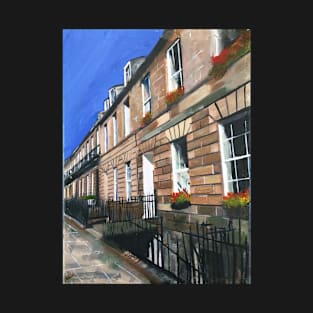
230,54
236,213
174,95
180,205
146,119
236,205
180,200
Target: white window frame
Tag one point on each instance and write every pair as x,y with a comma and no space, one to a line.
106,138
83,186
127,117
115,185
127,73
128,180
176,171
146,101
115,137
172,85
226,158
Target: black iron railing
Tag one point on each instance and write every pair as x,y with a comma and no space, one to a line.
108,210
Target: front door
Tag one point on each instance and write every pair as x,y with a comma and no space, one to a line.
148,185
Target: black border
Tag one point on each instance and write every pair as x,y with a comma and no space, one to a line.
44,64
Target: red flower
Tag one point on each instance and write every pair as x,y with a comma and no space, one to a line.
174,95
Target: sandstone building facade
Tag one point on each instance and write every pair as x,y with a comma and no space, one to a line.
171,124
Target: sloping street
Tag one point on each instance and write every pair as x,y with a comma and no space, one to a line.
88,260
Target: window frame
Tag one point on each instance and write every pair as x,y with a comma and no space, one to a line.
106,138
170,79
176,170
127,73
126,118
228,169
115,134
148,100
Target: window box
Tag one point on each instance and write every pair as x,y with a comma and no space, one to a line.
230,54
146,119
180,200
174,95
236,213
180,205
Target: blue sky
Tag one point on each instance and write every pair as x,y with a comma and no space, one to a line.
93,61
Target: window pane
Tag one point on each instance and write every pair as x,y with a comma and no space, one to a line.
233,171
177,79
243,184
176,64
235,189
181,153
183,180
238,127
239,146
146,88
242,168
148,106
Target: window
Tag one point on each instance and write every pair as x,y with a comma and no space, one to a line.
83,186
236,153
174,64
115,195
106,104
146,94
223,38
127,73
92,143
92,182
181,177
87,147
114,129
127,117
97,142
88,185
106,138
112,96
128,181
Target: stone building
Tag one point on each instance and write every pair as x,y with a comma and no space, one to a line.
180,119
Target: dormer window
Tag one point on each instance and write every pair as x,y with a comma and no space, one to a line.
112,96
106,104
127,73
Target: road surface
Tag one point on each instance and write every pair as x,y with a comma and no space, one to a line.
88,260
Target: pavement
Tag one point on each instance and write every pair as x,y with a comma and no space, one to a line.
87,259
